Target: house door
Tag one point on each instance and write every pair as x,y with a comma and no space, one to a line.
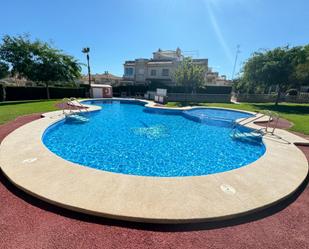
97,92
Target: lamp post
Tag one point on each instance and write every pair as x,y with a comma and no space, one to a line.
86,51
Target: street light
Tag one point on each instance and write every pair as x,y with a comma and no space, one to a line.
86,51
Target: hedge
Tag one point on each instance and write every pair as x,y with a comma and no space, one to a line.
136,90
31,93
206,90
61,92
130,90
2,93
218,90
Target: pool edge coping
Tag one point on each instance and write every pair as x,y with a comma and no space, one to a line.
16,176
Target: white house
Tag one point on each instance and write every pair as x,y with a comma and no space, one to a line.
162,66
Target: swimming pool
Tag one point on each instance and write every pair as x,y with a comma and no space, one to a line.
127,137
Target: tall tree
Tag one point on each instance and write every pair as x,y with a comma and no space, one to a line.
302,68
189,75
4,69
38,61
273,67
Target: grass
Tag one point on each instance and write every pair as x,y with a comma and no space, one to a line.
298,114
11,110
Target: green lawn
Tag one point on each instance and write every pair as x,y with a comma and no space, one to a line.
298,114
11,110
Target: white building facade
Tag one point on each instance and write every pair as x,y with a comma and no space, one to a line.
161,67
214,79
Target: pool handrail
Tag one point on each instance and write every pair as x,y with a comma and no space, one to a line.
72,105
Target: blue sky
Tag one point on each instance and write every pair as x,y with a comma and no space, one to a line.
120,30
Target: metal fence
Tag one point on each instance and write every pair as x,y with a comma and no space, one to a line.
300,98
263,98
184,97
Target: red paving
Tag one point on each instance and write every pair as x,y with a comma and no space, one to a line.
26,222
12,125
282,123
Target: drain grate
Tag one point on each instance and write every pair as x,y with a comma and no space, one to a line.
228,189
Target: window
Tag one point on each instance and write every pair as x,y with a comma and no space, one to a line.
165,72
128,71
153,72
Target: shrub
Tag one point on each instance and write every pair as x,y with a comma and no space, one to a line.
157,84
135,90
218,90
292,92
25,93
62,92
2,93
130,90
32,93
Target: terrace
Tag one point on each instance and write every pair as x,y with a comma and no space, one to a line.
104,144
284,211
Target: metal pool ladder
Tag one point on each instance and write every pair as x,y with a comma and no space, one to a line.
71,105
74,111
255,134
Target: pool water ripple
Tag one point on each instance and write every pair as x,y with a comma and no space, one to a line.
124,138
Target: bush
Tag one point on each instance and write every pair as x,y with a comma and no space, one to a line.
157,84
2,93
130,90
292,92
84,85
205,90
61,92
218,90
25,93
32,93
140,90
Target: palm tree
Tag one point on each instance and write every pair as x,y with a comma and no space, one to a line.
86,51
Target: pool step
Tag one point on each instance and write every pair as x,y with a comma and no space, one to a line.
76,118
247,136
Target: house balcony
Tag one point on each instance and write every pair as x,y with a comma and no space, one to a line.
129,77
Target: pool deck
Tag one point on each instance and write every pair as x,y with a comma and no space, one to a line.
29,165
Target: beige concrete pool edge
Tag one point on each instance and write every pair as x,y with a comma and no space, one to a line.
32,167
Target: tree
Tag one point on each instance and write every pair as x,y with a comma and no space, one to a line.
302,73
38,61
302,69
241,86
272,67
189,75
4,69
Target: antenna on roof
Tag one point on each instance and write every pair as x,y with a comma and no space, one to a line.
236,57
192,53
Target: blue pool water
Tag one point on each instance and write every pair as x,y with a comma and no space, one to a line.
218,113
131,139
